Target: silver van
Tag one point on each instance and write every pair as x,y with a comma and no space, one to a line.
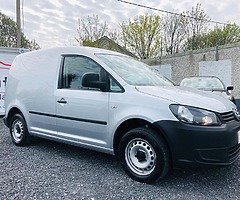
112,103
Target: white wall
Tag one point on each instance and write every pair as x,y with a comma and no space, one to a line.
222,69
165,70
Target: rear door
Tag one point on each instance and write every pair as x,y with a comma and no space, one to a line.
81,113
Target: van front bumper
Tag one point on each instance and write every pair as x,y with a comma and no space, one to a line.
211,145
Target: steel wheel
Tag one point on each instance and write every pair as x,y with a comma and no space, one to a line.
144,155
17,130
140,156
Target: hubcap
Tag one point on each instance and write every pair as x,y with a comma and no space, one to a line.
17,130
140,156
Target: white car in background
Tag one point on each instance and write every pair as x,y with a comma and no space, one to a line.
209,83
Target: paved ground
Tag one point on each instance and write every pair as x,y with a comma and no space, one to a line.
50,170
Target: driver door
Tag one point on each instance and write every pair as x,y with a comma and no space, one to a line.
82,113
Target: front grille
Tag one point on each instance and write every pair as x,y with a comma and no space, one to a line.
233,152
228,116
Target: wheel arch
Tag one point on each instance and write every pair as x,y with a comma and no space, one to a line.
132,123
11,113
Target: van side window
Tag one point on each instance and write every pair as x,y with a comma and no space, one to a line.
74,67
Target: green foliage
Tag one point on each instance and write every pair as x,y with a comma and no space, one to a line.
8,34
228,34
88,43
142,35
149,36
197,24
182,31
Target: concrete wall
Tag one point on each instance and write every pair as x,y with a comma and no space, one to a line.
221,68
188,64
165,70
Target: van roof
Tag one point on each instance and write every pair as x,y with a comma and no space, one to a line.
73,50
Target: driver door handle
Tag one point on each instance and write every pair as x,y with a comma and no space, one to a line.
62,100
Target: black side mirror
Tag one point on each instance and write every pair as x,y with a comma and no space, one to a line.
229,88
91,80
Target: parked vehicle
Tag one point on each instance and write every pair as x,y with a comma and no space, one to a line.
110,102
7,55
209,83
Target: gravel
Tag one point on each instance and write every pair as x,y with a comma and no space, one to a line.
51,170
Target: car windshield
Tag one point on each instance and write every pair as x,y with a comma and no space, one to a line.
132,71
203,83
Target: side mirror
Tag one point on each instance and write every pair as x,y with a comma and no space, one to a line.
229,88
91,80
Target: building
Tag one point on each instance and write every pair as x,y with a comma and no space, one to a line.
106,43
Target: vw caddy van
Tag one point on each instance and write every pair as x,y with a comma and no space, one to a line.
109,102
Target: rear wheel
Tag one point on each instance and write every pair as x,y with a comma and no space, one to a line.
19,132
144,155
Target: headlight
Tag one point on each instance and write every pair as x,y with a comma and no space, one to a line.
193,115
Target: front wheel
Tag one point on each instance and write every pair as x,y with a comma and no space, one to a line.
144,155
19,132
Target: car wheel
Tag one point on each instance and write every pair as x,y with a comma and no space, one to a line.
144,155
19,132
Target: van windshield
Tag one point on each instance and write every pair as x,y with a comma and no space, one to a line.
132,71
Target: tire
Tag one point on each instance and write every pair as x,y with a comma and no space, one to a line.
144,155
19,132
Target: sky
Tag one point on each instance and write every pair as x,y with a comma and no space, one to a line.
55,22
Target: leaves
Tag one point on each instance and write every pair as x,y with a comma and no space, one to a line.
177,32
142,35
148,35
228,34
8,34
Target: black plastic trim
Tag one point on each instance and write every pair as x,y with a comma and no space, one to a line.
60,79
69,118
200,144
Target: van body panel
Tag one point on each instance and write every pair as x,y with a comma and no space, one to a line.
129,105
186,96
34,92
85,114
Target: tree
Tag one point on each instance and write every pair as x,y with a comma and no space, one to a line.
197,22
142,35
8,34
228,34
174,31
91,29
181,32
